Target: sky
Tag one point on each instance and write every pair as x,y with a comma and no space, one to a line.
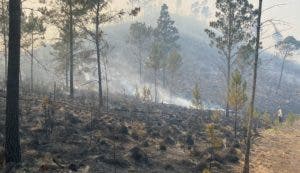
288,13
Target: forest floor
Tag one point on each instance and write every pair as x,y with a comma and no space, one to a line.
62,136
276,151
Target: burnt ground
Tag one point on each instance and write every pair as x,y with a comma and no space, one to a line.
62,135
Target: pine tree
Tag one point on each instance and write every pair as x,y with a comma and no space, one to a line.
197,97
237,95
33,30
140,36
96,16
285,50
167,34
65,13
61,53
174,63
231,29
12,137
154,62
249,125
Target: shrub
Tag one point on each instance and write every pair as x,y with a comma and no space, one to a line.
291,118
162,147
139,155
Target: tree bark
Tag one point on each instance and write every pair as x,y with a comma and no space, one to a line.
97,39
71,30
12,138
249,128
4,25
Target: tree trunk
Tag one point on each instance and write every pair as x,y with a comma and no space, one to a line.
231,18
12,138
71,30
228,84
4,39
281,74
248,140
140,63
171,84
155,85
235,121
31,64
164,76
67,72
100,97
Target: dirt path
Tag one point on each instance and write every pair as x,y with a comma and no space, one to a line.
277,151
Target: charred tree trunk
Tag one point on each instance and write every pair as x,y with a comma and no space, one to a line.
71,30
12,137
97,39
248,140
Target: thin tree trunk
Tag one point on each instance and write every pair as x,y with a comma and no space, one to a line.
231,18
71,30
31,64
4,25
67,72
164,77
236,110
171,88
12,137
281,74
155,86
228,84
100,97
140,63
106,83
235,121
248,140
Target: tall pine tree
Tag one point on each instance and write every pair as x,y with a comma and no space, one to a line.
33,30
66,13
12,137
167,35
231,30
140,36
